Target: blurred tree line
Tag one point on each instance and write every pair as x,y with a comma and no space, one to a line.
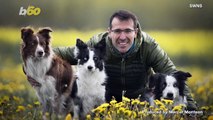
93,14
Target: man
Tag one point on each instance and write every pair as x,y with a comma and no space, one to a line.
132,56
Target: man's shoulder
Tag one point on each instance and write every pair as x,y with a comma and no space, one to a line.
147,38
96,38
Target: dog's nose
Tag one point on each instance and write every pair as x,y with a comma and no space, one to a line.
40,53
170,95
89,67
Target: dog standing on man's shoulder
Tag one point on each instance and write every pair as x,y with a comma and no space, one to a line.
169,86
53,76
91,77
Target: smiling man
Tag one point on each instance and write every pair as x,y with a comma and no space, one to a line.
131,57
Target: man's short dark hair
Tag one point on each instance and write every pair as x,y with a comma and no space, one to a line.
123,15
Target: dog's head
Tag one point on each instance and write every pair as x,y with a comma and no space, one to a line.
35,45
169,86
90,58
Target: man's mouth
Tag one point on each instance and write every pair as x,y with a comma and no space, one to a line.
122,43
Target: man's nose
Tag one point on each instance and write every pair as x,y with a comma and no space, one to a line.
122,35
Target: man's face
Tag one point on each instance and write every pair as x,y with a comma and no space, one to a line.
122,34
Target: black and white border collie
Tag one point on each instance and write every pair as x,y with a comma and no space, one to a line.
169,86
91,77
52,76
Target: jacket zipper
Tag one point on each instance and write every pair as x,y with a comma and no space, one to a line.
122,73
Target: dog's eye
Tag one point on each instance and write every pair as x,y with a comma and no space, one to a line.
164,84
175,85
85,58
95,58
33,43
42,43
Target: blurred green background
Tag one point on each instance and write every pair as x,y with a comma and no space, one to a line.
185,33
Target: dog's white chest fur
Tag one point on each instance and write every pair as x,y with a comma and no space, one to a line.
37,70
90,83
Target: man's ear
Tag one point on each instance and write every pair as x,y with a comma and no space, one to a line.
136,32
26,32
45,32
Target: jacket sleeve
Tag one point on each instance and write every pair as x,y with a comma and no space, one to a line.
66,53
156,58
160,62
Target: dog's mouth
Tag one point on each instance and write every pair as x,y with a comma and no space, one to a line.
169,98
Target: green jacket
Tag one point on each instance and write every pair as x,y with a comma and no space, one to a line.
130,72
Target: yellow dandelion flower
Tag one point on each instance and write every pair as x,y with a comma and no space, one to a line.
47,114
182,106
135,102
167,102
96,110
16,98
156,109
112,102
108,117
6,98
140,113
210,117
151,107
160,116
125,99
177,108
121,110
143,103
204,108
134,114
97,118
68,117
20,108
105,105
163,108
120,104
1,112
128,112
158,103
37,103
201,90
29,106
88,117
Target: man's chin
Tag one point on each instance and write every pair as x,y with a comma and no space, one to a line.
122,51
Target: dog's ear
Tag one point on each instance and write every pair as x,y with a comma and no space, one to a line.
101,45
80,44
154,80
45,32
26,32
180,75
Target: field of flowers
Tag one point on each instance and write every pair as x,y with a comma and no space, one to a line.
19,102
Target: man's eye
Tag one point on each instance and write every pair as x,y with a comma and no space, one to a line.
128,30
117,31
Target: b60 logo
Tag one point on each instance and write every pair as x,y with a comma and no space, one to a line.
31,10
